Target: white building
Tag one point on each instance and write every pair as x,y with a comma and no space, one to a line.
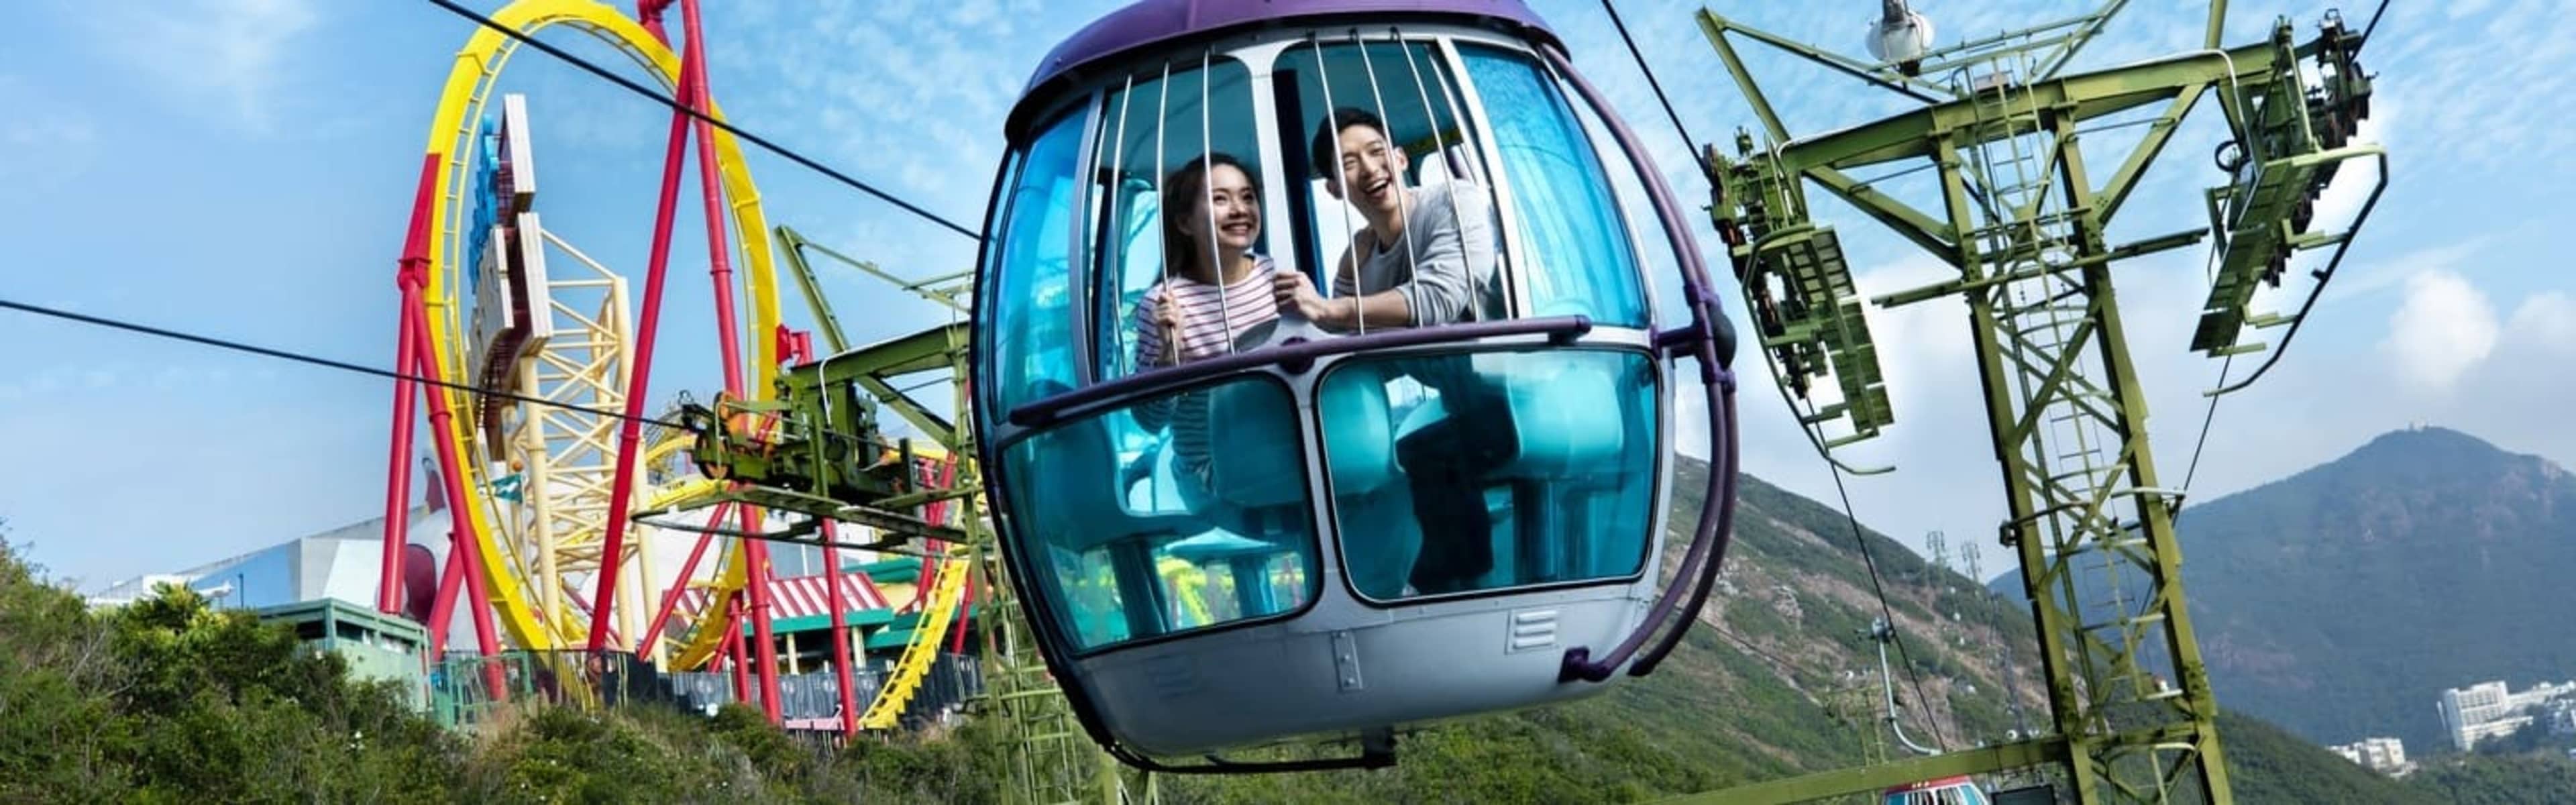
2488,709
347,563
2383,755
2542,694
343,563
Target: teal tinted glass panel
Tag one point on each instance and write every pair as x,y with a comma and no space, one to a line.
1576,257
1029,312
1134,542
1484,471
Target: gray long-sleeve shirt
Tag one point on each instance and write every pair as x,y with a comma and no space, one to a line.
1449,275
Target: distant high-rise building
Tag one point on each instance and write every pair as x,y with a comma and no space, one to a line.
2383,755
2489,709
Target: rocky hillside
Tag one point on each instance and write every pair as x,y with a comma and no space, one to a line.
2341,601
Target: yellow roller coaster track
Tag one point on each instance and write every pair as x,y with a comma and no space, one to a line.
923,647
469,83
939,607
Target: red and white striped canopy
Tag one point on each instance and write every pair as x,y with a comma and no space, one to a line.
802,596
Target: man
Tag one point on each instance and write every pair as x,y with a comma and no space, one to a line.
1426,257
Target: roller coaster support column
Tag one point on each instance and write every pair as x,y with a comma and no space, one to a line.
442,609
842,671
793,350
415,262
733,647
461,540
649,14
711,192
412,356
629,430
720,267
680,583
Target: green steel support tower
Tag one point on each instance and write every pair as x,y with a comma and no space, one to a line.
2023,219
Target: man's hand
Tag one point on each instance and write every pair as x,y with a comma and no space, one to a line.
1296,294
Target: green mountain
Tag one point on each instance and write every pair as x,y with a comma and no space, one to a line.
2268,764
2341,601
2482,779
1778,681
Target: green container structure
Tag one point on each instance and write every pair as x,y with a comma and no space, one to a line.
377,646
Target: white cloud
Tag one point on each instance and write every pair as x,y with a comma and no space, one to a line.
2355,178
2521,96
2463,8
2444,329
168,377
46,128
2546,320
1919,343
2356,280
44,141
1690,410
229,54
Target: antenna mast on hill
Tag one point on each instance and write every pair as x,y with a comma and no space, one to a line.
2024,218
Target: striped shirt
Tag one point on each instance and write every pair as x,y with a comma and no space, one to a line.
1210,322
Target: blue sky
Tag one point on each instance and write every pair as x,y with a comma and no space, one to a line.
244,169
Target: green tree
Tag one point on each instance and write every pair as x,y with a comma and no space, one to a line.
2531,779
60,735
169,700
237,709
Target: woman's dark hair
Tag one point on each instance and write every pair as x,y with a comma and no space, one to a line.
1183,193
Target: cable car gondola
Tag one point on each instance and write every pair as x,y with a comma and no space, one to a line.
1959,790
1317,378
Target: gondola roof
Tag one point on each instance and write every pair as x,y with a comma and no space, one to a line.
1153,22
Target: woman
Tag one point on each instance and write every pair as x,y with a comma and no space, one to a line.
1214,290
1211,291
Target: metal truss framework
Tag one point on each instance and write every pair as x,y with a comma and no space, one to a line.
2023,220
564,456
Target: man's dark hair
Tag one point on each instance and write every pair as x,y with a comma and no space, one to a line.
1331,132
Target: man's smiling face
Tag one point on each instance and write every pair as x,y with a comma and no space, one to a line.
1372,172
